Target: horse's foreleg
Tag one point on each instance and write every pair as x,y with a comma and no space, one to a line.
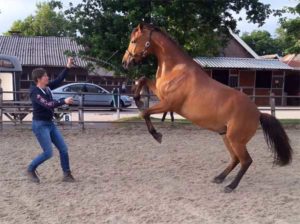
158,108
137,94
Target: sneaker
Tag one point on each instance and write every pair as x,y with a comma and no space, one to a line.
68,177
33,176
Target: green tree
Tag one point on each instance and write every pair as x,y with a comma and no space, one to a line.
104,25
287,40
46,21
262,42
289,32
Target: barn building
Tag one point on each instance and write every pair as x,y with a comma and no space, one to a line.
51,54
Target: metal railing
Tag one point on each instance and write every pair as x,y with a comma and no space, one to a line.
18,109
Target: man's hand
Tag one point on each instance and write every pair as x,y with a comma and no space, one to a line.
70,63
69,100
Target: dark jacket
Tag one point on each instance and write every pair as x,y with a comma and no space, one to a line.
42,100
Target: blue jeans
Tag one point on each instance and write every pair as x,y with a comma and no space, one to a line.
47,133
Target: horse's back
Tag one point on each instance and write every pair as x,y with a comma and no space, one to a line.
213,105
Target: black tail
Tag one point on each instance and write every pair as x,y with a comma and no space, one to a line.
277,139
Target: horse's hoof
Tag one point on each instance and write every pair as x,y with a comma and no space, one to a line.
228,189
217,180
158,137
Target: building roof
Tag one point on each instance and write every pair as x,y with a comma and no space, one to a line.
292,60
40,51
243,44
244,63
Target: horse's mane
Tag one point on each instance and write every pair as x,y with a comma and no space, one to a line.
157,29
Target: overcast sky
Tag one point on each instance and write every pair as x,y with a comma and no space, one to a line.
12,10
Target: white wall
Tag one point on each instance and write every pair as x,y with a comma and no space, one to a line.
7,85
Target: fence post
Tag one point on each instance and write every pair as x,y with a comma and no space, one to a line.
146,97
1,110
118,104
272,104
81,111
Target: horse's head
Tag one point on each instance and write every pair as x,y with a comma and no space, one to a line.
139,46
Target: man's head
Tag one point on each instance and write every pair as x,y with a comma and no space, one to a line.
39,76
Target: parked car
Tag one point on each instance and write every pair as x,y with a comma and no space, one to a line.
96,95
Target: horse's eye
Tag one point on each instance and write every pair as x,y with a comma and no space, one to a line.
133,41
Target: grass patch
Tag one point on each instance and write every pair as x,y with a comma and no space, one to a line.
290,121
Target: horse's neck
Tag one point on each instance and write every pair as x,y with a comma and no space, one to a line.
168,54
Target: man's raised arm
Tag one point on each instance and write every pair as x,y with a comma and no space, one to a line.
57,82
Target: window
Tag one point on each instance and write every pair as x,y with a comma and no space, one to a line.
73,88
6,64
24,76
93,89
277,82
25,84
81,78
233,81
70,78
221,76
263,79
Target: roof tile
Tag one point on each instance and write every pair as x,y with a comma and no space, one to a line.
41,51
246,63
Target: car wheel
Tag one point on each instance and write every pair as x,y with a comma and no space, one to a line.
122,104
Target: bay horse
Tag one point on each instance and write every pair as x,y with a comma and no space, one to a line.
184,87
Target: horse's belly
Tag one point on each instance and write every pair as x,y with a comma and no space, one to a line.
203,120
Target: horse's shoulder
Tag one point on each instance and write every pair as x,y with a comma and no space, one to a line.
174,83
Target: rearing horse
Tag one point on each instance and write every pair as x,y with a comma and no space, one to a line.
184,87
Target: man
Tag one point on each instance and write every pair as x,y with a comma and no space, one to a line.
42,122
123,87
165,114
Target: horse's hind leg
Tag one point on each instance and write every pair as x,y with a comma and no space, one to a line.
234,162
245,160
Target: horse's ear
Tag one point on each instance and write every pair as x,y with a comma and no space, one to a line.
140,27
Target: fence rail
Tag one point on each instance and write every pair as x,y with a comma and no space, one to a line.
17,110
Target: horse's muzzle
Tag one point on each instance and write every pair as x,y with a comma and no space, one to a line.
127,64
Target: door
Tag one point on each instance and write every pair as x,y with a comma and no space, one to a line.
292,88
